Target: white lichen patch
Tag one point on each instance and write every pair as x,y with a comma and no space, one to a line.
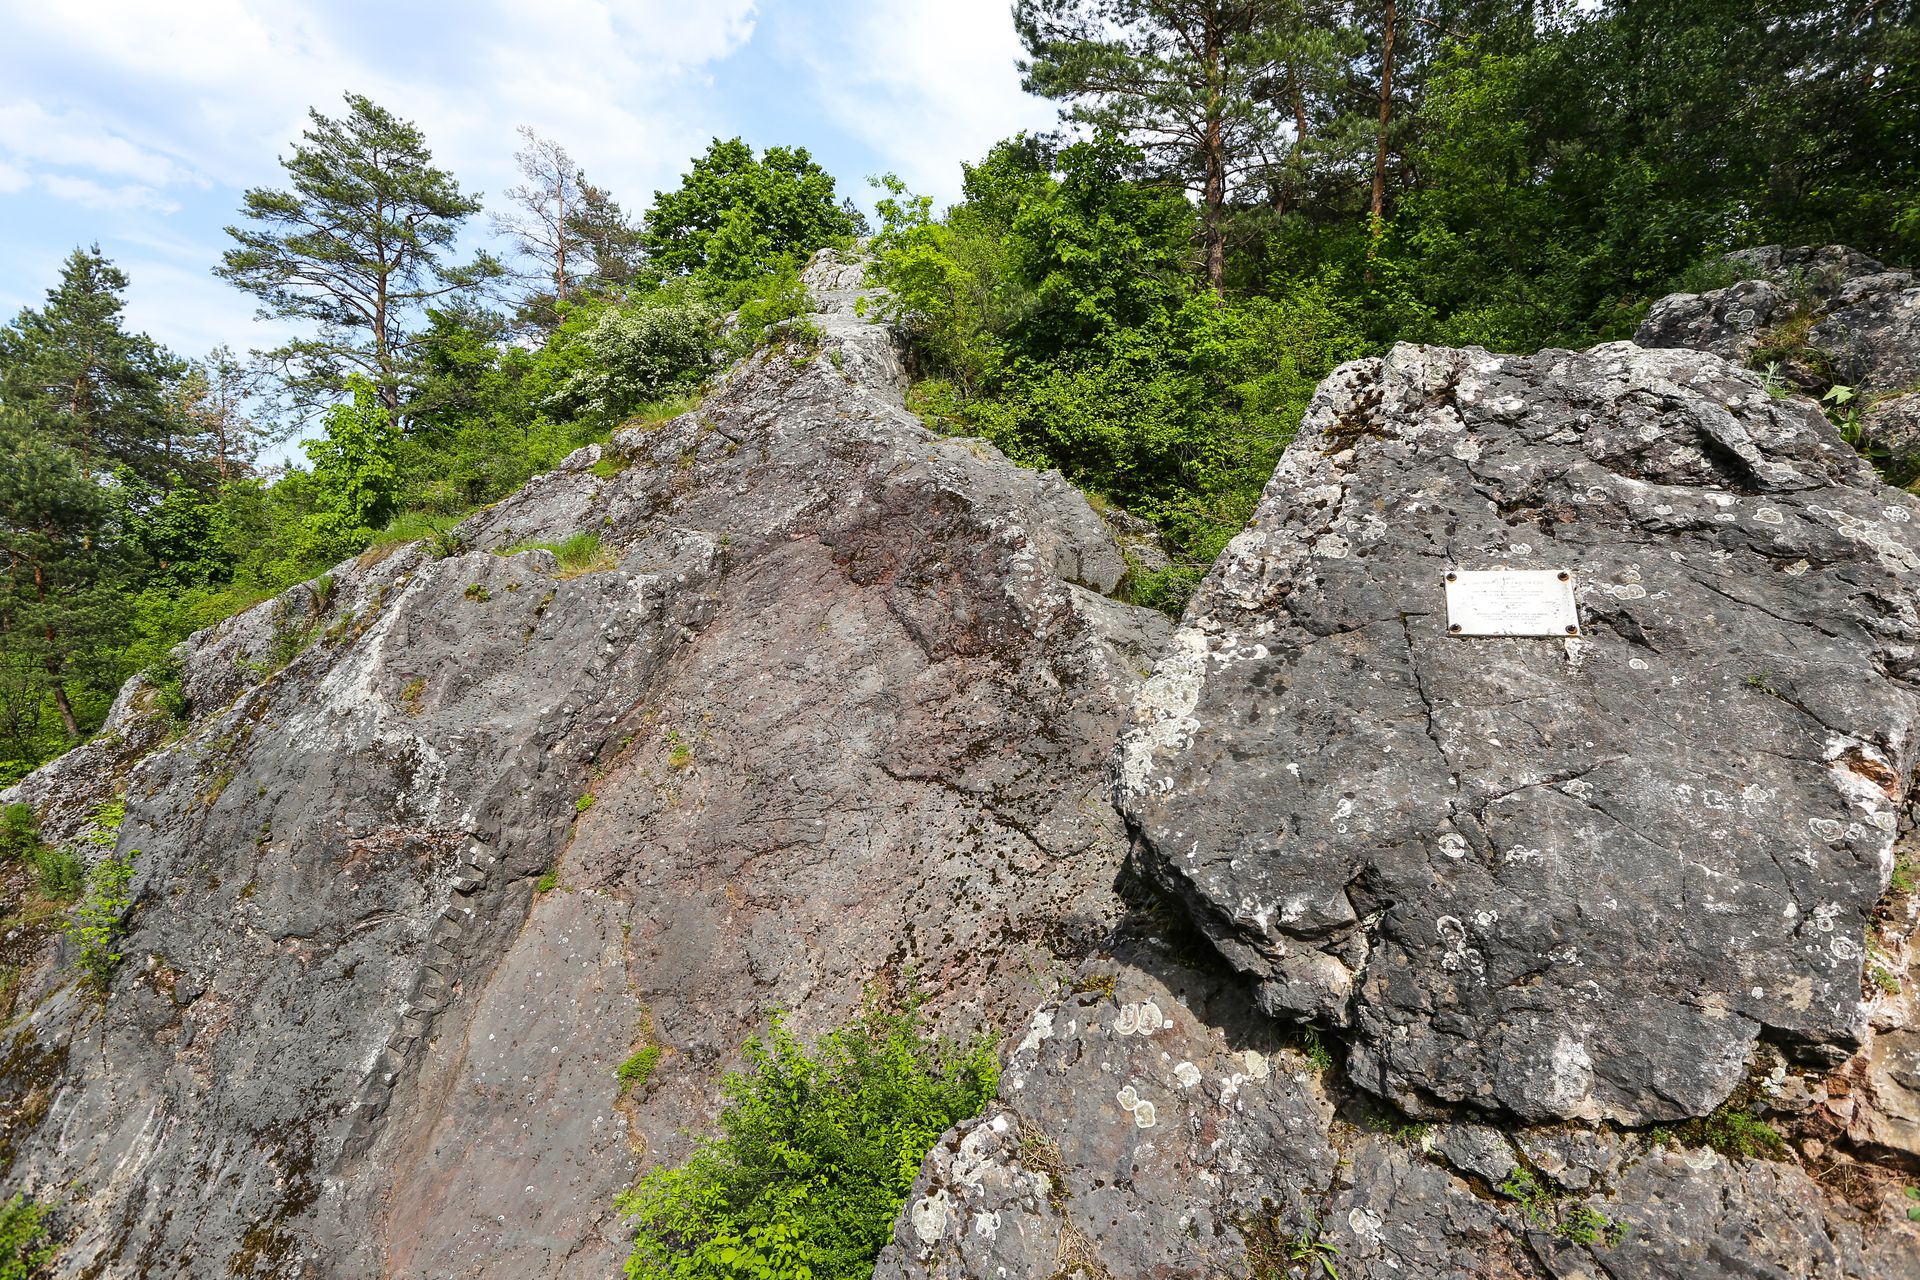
1163,714
930,1216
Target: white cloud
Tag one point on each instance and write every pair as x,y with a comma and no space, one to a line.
221,88
89,194
30,133
13,179
925,83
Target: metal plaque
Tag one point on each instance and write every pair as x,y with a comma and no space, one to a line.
1511,602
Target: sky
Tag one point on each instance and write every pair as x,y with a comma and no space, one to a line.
138,125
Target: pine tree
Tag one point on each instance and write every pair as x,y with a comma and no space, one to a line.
60,607
1203,87
356,246
91,385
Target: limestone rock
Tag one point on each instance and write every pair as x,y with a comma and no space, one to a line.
1551,879
1254,1164
834,708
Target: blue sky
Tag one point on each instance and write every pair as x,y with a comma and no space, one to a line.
139,124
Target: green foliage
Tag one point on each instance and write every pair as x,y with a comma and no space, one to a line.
98,922
584,803
106,819
58,871
638,1069
355,475
27,1242
94,388
580,553
736,216
356,246
815,1154
1544,1206
639,353
549,881
19,831
775,310
1735,1131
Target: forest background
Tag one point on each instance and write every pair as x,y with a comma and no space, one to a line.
1240,196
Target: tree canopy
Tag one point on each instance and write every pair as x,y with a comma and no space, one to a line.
356,246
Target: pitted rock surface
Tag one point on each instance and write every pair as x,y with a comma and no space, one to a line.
841,697
1732,322
1833,315
1572,878
1254,1164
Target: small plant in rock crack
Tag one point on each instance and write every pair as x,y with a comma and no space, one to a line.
584,803
679,755
98,922
1542,1205
549,881
1311,1248
477,592
638,1069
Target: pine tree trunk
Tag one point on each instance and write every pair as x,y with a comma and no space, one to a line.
1386,109
67,720
1214,199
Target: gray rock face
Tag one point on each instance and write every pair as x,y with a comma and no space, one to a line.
835,707
1123,1146
1871,328
1552,879
1836,315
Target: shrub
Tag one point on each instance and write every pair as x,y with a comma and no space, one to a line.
777,310
19,832
640,353
815,1154
169,695
26,1239
59,871
98,921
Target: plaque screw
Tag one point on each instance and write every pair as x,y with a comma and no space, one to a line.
1572,630
1454,627
1564,575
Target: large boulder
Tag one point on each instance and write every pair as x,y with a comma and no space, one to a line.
832,709
1556,879
1480,956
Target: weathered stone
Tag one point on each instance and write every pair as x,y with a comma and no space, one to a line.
1152,1125
1571,878
1871,330
847,691
1729,322
1890,425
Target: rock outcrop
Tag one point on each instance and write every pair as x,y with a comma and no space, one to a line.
1551,913
832,709
1819,317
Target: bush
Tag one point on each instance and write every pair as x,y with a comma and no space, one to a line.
26,1241
641,353
777,310
19,832
98,921
59,871
815,1155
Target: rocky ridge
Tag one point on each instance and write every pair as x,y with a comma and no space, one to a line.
831,710
1815,317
